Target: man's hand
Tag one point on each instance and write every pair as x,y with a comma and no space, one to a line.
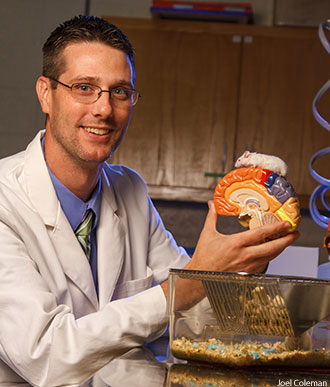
246,251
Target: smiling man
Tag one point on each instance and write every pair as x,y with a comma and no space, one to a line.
84,255
83,128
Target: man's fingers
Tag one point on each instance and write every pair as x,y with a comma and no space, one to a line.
271,249
263,233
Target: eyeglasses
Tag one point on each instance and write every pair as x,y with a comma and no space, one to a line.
87,93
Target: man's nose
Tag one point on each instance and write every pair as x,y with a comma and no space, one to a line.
103,106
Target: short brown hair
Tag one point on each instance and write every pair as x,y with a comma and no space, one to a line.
81,29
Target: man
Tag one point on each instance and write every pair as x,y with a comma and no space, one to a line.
71,303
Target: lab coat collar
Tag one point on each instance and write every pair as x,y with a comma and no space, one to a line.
38,182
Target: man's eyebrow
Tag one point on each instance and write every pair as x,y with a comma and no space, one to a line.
85,78
124,83
96,81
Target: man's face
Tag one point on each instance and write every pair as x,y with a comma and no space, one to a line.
87,133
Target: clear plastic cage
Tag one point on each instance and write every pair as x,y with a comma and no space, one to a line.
242,320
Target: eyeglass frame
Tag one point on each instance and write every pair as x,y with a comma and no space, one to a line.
134,92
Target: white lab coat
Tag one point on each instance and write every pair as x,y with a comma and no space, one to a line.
53,330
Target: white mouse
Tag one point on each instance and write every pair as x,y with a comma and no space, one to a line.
259,160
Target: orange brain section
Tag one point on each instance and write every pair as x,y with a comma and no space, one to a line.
222,204
242,193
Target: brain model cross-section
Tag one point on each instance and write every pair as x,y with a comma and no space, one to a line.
257,192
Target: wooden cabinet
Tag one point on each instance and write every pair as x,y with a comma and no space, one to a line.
282,71
183,128
212,90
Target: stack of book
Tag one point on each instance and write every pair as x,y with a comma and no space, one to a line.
194,10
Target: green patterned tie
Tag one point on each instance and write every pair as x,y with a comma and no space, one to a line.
83,232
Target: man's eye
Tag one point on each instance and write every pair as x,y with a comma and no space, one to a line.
121,92
84,89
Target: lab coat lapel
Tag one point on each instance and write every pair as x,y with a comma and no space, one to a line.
110,244
43,197
73,259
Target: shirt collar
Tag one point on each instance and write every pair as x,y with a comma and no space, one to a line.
73,207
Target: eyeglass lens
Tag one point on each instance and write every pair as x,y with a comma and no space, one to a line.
91,93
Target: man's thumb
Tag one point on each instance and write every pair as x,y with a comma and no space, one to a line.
212,216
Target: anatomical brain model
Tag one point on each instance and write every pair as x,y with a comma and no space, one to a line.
257,192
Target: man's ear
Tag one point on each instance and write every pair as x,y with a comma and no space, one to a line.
43,89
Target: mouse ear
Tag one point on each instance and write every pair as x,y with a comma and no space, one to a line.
246,154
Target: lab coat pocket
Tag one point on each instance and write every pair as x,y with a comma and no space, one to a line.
130,288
